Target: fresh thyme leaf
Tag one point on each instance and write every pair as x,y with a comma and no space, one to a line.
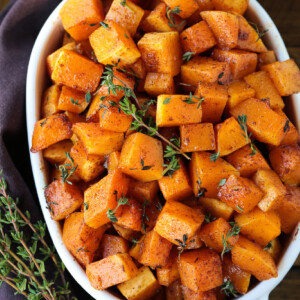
43,123
269,246
124,4
88,97
286,126
158,206
189,100
75,102
111,212
171,167
126,35
208,218
86,206
219,77
222,182
82,249
144,168
134,241
170,16
187,56
104,24
234,231
214,157
167,100
201,190
239,208
182,244
176,141
144,216
93,24
67,169
257,29
228,289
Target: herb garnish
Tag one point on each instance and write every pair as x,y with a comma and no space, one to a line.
269,246
111,212
124,4
239,208
88,97
222,182
219,77
104,24
228,289
260,33
145,168
234,231
214,157
187,56
182,244
82,249
286,126
144,216
201,190
208,218
167,100
43,123
75,102
86,205
170,16
189,100
67,169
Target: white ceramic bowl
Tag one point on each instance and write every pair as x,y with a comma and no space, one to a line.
47,41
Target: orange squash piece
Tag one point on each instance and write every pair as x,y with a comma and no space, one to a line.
56,154
195,242
126,233
111,270
200,270
134,251
143,190
266,58
216,208
157,84
113,161
49,131
111,245
50,101
173,291
191,295
103,196
187,7
81,240
251,258
238,6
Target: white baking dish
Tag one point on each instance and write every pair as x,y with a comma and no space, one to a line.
47,41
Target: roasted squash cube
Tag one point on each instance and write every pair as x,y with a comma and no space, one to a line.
173,110
56,154
275,249
266,58
285,160
177,220
49,131
111,245
111,270
113,161
102,196
251,258
98,141
157,84
113,44
187,7
207,174
129,16
238,6
50,101
285,75
216,208
135,250
197,38
142,157
143,190
269,182
191,295
200,270
161,52
62,199
173,291
197,137
241,62
266,125
126,233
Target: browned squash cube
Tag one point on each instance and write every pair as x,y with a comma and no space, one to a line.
92,114
191,295
223,24
161,52
197,137
245,163
128,16
96,140
285,75
266,125
63,199
111,245
240,193
102,196
126,233
49,131
197,38
177,220
143,190
285,160
135,249
241,62
157,84
266,58
173,291
206,173
216,208
50,101
264,88
142,157
173,110
113,161
200,270
269,182
187,7
275,249
111,270
112,44
81,17
56,154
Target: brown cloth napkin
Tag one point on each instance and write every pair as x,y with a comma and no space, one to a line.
20,24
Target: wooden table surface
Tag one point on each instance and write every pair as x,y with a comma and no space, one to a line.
286,15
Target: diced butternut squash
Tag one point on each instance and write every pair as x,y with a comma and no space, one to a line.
50,101
56,154
80,17
245,163
207,174
200,270
240,193
205,69
223,24
173,110
233,273
176,186
112,44
126,233
74,118
138,68
205,5
69,64
266,58
274,248
269,182
191,295
152,212
155,250
177,220
113,161
187,7
214,233
197,38
238,6
285,160
215,99
143,286
261,227
229,137
197,137
111,245
81,240
217,208
289,209
161,52
195,242
264,88
142,157
103,196
266,125
111,270
251,258
285,75
241,62
143,190
173,291
62,199
98,141
143,101
157,84
128,16
49,131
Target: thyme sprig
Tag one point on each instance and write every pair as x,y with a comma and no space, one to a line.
111,212
189,100
124,4
208,218
201,190
257,29
228,289
187,56
182,244
67,169
170,155
233,231
170,16
145,218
